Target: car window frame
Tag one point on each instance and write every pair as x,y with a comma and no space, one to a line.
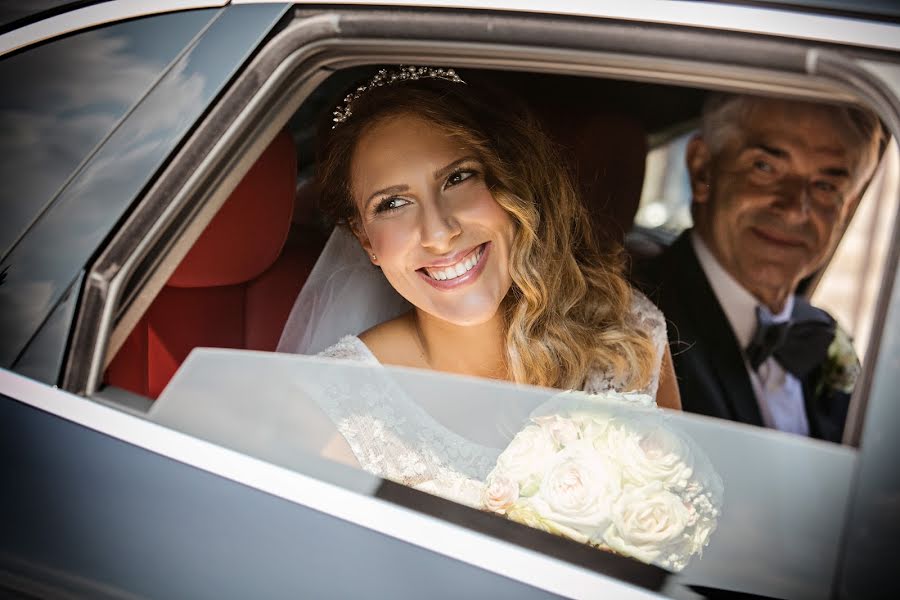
285,71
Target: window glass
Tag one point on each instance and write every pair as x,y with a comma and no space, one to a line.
850,284
781,512
62,98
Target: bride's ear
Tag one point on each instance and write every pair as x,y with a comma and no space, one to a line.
363,239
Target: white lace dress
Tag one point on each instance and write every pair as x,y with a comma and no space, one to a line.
391,436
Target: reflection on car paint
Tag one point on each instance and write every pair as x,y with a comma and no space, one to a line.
44,263
70,94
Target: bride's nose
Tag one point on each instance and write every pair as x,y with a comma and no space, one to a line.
438,227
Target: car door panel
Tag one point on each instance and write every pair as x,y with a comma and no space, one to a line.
93,202
43,358
87,512
69,95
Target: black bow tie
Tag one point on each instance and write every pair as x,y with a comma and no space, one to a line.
799,345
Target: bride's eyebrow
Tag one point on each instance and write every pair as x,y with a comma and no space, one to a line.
444,171
394,189
402,188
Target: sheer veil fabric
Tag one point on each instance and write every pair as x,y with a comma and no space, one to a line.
344,295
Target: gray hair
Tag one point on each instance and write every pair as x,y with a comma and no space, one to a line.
723,114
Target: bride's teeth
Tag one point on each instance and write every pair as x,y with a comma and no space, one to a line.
455,271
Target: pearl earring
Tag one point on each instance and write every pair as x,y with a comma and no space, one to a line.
374,257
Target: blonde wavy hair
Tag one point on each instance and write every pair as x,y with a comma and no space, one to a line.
568,311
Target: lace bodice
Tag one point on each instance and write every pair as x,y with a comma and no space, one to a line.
649,318
393,437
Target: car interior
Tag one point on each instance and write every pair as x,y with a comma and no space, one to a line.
237,284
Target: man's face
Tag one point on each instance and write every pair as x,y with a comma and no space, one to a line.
777,197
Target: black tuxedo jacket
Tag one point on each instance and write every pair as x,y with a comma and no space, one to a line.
709,363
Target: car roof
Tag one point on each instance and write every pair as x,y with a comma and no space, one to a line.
887,10
781,19
864,23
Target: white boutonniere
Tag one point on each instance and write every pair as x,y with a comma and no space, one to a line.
842,366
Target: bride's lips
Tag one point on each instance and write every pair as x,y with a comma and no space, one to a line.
464,279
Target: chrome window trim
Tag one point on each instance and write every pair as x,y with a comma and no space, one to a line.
748,19
342,492
92,16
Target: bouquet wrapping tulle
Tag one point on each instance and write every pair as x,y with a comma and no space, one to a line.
610,471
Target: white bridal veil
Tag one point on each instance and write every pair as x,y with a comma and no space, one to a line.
344,295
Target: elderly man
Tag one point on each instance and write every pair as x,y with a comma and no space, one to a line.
773,184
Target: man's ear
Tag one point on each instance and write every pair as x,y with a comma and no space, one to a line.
360,234
698,158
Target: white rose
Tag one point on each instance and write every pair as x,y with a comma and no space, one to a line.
595,430
648,451
525,458
578,490
648,523
561,430
500,492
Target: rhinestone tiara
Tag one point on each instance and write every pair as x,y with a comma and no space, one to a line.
389,77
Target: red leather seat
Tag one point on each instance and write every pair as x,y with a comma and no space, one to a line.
608,151
599,137
235,287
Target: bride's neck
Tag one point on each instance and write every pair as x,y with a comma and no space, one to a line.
476,350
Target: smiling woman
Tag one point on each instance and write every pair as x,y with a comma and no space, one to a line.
440,238
458,195
462,201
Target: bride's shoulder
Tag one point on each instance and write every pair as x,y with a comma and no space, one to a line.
648,316
349,347
394,342
387,333
641,304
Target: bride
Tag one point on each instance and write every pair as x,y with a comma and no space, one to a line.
461,201
485,265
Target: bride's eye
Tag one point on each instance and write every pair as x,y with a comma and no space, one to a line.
458,176
389,204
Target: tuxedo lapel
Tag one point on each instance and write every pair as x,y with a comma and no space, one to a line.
826,409
711,326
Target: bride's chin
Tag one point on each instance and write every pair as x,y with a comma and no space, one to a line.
465,318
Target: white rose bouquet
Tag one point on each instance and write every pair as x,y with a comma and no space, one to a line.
612,474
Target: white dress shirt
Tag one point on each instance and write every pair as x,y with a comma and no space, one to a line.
778,393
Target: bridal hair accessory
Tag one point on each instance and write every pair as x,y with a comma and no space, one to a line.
389,77
625,481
